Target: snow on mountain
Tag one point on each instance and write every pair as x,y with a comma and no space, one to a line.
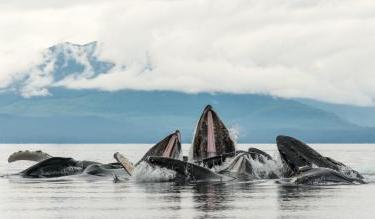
65,61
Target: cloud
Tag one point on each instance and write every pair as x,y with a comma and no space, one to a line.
312,49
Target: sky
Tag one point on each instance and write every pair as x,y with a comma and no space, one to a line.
321,49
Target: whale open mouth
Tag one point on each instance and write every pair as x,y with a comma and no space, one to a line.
172,145
297,155
169,147
212,142
292,153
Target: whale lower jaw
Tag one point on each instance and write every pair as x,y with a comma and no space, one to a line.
320,176
187,171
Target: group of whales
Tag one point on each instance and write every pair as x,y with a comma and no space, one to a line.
213,158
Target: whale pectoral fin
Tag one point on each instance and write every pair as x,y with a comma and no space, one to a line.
125,163
28,155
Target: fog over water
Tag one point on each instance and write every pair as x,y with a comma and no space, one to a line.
86,196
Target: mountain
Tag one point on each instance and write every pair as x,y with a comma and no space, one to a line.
360,115
140,116
36,112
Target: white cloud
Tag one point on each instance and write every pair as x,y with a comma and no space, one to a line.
315,49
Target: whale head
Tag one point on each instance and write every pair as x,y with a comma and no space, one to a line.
297,155
211,138
294,153
169,147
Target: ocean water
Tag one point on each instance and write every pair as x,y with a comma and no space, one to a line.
85,196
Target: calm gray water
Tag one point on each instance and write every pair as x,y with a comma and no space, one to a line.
96,197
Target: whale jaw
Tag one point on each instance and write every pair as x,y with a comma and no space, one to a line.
296,155
169,147
212,138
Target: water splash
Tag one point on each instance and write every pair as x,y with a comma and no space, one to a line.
147,173
347,171
265,169
261,167
224,165
234,133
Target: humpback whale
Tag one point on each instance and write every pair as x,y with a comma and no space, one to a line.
169,147
49,166
298,156
56,167
212,142
211,146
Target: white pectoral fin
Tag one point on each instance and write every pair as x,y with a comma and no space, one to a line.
28,155
125,163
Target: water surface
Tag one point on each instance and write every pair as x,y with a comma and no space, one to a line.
98,197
